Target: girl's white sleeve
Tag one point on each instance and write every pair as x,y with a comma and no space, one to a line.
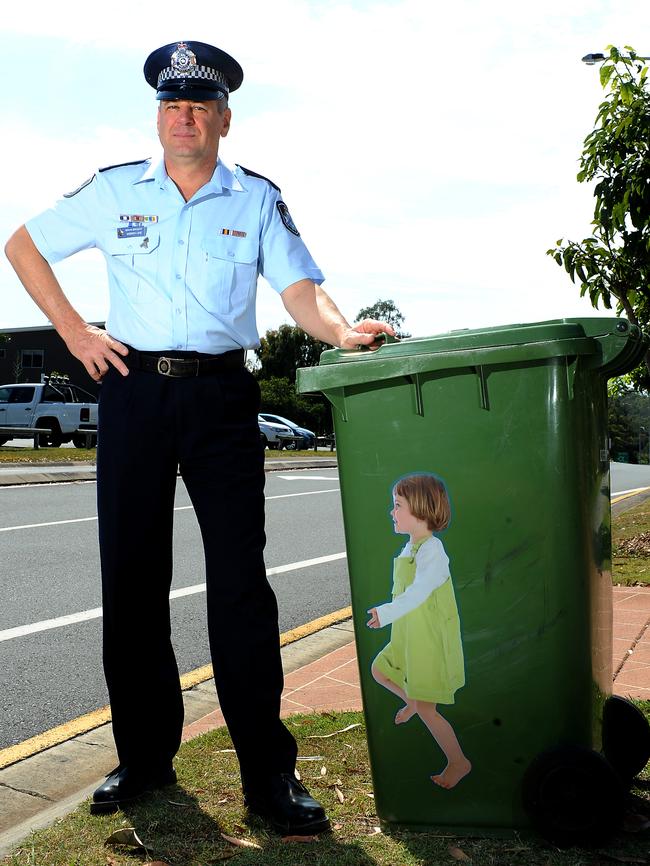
431,571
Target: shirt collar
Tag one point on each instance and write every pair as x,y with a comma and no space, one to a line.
155,171
222,177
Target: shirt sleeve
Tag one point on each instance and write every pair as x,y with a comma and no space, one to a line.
68,226
431,571
284,257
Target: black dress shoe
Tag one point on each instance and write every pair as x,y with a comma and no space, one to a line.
124,784
288,806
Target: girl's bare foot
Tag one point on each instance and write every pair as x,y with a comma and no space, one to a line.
408,710
452,774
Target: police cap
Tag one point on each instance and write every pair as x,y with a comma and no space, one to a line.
192,70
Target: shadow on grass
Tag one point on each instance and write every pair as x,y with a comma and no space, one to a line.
527,848
177,828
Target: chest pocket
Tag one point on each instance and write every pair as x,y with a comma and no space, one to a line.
134,261
229,274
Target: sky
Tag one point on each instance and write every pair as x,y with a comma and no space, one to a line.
427,151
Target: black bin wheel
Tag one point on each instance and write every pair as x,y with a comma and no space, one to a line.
573,796
626,737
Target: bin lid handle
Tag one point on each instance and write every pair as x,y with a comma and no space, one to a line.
380,340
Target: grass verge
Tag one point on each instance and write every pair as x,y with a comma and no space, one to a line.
183,825
631,546
61,456
12,454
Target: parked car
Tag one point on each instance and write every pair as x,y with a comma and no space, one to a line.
303,438
55,405
275,435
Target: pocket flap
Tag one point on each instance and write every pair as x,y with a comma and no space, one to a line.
242,250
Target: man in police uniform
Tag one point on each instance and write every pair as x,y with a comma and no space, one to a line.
184,241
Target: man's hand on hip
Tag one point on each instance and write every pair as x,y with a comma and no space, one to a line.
97,350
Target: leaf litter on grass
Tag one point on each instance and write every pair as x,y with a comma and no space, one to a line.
357,840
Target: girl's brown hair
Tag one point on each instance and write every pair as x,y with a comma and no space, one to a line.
427,499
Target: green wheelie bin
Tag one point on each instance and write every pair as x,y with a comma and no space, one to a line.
484,631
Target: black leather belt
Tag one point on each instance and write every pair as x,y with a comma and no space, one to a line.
184,365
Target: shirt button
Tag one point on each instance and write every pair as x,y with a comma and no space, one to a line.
178,276
181,243
178,311
231,254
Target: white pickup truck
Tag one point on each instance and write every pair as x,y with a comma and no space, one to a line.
65,411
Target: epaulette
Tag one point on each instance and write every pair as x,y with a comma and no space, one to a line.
261,176
79,188
122,165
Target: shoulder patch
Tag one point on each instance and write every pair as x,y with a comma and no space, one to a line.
79,188
285,216
261,176
122,164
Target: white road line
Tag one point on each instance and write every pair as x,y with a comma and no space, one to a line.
308,477
178,508
306,563
96,612
306,492
633,490
51,523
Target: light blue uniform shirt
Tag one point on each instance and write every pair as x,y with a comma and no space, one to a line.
182,275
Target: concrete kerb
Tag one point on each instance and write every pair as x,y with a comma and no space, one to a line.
40,789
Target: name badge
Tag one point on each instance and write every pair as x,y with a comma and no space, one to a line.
132,232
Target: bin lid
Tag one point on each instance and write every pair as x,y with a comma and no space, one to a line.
615,346
465,338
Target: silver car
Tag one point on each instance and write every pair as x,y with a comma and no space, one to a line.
274,435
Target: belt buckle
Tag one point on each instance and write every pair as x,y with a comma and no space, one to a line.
164,366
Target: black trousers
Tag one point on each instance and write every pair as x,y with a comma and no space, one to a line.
149,426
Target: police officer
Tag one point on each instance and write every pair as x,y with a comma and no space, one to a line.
184,241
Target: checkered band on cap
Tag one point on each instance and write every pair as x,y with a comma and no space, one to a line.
198,72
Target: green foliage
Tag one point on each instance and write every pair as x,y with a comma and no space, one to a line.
629,424
279,397
385,311
281,352
620,385
612,266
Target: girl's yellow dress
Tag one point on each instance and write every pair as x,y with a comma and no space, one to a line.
425,654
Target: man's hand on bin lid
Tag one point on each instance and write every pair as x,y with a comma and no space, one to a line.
366,333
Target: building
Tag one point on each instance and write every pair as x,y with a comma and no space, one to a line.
31,352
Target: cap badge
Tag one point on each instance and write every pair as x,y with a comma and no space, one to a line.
183,59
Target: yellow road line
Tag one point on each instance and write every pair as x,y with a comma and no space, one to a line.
628,495
89,721
54,736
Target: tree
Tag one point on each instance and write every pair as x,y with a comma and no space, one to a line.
279,397
613,264
385,311
281,352
629,423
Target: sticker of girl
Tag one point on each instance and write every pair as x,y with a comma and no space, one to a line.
423,663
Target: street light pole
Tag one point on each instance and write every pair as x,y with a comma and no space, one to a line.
641,430
592,59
